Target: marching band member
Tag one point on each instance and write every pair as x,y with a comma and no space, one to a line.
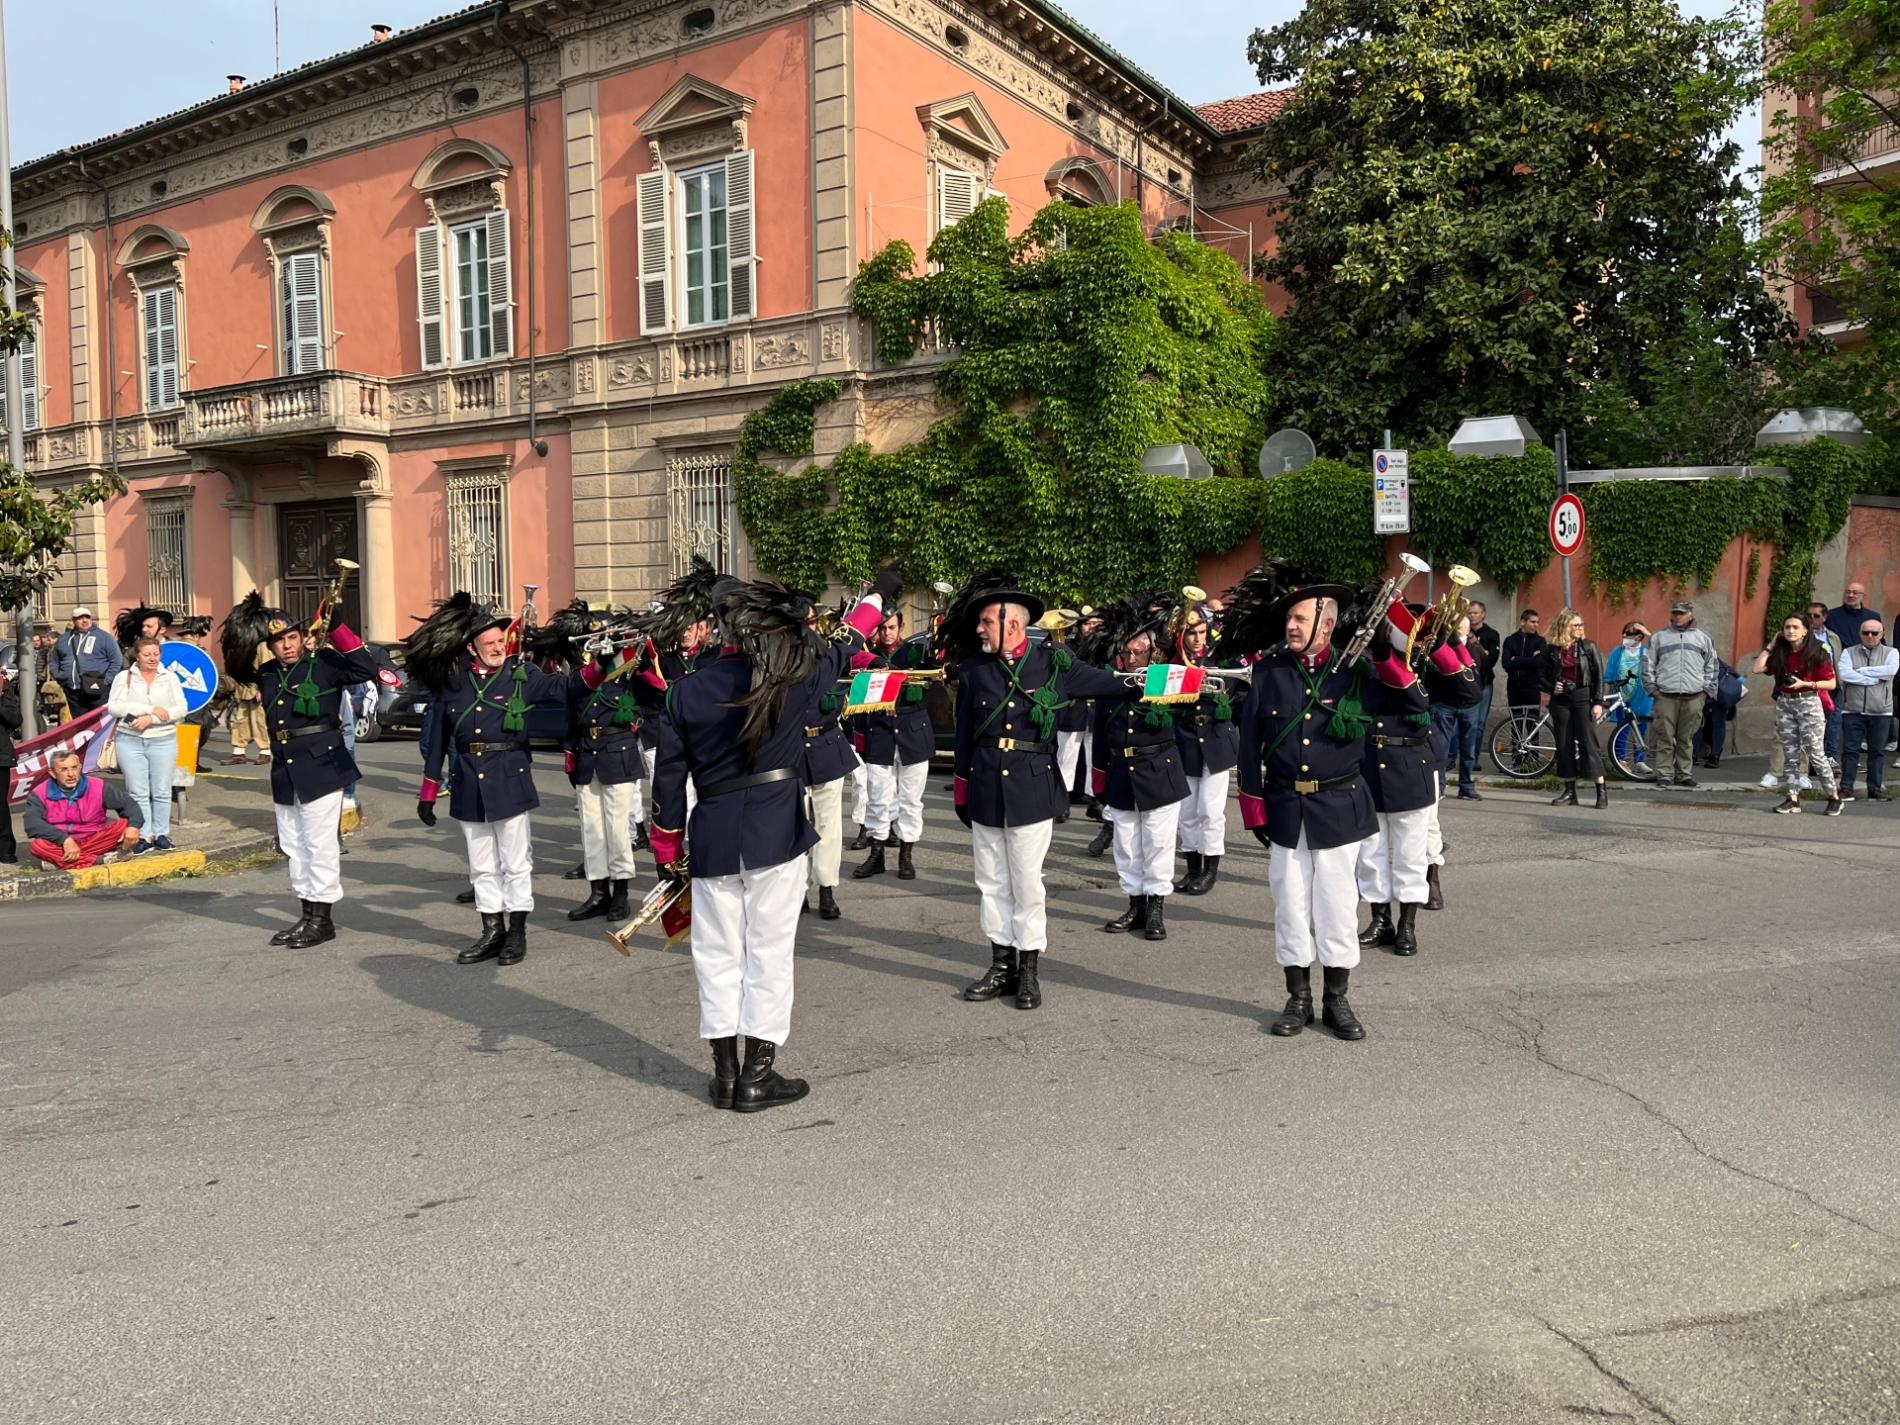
830,760
1208,737
302,689
1137,774
1401,766
736,731
1008,694
1302,794
896,747
474,741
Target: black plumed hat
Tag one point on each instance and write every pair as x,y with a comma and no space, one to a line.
436,642
681,604
561,637
1255,617
956,637
246,626
129,620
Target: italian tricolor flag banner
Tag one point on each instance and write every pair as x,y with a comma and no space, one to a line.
873,690
1171,683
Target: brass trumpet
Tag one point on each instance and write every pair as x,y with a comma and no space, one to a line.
331,601
657,903
1447,612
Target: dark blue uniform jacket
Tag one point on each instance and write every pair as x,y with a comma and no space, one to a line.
1283,740
489,776
304,768
1402,760
1137,765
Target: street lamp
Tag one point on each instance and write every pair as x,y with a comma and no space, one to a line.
1493,435
1184,462
1792,427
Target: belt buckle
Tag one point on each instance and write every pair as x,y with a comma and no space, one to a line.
1129,751
814,731
1005,744
282,734
1306,788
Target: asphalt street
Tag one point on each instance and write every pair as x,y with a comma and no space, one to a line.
1620,1145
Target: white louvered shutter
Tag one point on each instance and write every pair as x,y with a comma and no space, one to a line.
957,194
429,295
161,348
303,313
655,258
29,383
741,228
501,285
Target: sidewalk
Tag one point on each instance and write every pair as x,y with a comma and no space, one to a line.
224,819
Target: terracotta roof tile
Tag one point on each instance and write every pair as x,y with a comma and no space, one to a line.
1247,111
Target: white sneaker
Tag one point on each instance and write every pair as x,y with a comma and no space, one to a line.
1769,779
1804,784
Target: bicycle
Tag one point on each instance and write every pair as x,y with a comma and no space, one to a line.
1524,747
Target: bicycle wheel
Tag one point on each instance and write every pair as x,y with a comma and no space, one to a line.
1629,750
1524,747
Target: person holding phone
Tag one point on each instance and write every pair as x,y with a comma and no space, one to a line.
1802,670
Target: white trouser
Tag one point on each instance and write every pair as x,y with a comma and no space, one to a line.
308,834
637,810
1144,848
1204,814
744,927
501,863
1434,840
894,797
1071,748
606,845
1392,860
1013,906
827,819
1315,904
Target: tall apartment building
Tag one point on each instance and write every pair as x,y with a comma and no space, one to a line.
481,305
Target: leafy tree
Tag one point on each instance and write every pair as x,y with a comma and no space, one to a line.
1506,205
1831,224
35,524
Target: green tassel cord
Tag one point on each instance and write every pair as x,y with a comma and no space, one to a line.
625,710
1422,720
1349,719
516,716
831,701
308,692
1223,707
1158,716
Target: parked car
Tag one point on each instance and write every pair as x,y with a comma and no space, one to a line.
403,705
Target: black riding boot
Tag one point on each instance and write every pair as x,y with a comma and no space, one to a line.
1203,883
1299,1002
760,1085
488,944
595,904
1567,797
640,841
1093,810
861,841
314,931
1028,987
617,907
578,873
305,909
999,979
1435,894
1157,927
466,896
873,864
1101,841
1186,878
905,870
1378,930
725,1070
1134,918
1406,941
514,944
1334,1010
828,904
1603,796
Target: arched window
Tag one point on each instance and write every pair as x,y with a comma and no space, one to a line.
294,224
154,258
465,305
1080,181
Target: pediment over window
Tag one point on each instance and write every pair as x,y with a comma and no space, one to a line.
153,255
695,117
294,219
964,123
1081,181
459,161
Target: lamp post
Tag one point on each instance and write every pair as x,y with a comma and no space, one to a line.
26,664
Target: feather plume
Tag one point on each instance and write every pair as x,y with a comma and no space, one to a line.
433,646
246,626
767,622
956,637
558,638
682,603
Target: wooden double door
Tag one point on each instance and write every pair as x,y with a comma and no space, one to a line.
310,539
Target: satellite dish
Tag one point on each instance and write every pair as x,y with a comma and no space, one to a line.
1286,451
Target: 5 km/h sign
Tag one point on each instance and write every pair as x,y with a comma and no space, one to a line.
1566,525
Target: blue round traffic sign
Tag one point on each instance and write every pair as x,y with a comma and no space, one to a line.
193,668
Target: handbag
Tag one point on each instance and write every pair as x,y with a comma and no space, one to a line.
109,755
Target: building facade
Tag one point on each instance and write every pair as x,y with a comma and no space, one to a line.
481,305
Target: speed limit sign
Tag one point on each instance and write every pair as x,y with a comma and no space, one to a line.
1566,525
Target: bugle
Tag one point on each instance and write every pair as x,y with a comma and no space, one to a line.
657,905
1390,592
332,600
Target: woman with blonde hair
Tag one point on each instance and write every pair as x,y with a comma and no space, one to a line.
149,704
1572,679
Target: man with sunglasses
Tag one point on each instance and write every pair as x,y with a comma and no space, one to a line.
1866,672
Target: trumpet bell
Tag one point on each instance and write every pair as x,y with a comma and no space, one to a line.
1413,562
1194,593
348,564
1462,576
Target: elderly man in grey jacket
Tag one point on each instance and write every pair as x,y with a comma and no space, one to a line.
1865,696
1680,673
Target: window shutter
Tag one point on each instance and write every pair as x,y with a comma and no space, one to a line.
956,196
149,311
303,314
501,290
429,295
29,384
655,259
161,348
741,257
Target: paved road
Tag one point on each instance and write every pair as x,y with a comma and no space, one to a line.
1620,1146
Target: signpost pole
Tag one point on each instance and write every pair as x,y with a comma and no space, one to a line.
1563,488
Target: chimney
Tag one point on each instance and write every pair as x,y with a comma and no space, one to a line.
378,33
236,81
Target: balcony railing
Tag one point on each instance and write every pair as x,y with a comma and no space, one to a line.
268,412
1878,148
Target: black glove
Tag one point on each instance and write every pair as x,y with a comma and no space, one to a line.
1380,648
1260,835
890,582
675,872
425,813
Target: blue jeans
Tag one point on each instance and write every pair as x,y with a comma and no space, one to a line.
1461,728
1864,732
1712,736
1834,736
146,763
